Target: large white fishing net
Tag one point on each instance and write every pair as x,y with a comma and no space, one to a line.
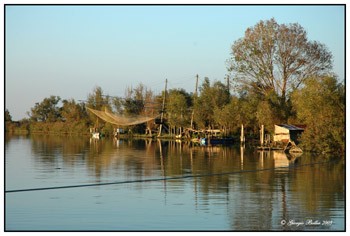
121,120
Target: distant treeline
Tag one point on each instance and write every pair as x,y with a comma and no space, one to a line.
276,76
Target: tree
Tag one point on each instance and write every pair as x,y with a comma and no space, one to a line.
8,117
209,99
96,100
276,58
178,105
138,101
72,111
321,106
47,110
229,115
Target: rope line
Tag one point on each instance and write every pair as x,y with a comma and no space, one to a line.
163,179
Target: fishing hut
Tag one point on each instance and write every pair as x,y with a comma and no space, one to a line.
285,133
285,138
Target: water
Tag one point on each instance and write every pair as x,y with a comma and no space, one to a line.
256,191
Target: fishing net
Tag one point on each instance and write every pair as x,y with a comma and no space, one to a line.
121,120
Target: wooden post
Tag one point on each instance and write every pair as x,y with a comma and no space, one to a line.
163,107
242,135
262,136
194,96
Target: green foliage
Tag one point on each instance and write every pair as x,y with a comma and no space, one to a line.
229,116
71,111
133,106
48,117
59,127
321,106
47,110
96,100
8,117
211,98
15,127
177,108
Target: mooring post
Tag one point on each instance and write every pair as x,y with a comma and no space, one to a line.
163,107
194,95
242,135
262,136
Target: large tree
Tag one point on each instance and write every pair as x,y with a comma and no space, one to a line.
72,111
47,110
276,58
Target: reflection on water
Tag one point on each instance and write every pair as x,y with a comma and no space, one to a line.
258,190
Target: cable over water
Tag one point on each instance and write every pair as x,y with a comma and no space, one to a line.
165,178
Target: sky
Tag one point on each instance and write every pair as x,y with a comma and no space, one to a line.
68,50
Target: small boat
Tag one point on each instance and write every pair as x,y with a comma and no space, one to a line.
216,141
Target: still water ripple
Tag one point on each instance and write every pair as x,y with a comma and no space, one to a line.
245,201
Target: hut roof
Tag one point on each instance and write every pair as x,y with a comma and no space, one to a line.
291,127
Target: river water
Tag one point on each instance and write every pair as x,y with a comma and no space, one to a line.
145,185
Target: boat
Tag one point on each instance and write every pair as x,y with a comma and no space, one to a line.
216,141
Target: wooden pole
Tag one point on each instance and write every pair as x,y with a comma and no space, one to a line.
163,107
262,136
194,96
242,134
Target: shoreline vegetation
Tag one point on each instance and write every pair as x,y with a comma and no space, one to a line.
72,119
275,76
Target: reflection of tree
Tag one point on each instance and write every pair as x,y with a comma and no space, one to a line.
132,158
48,148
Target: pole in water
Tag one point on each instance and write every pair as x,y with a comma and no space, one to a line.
163,107
195,94
242,135
262,136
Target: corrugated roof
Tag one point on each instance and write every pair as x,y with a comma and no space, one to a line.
291,127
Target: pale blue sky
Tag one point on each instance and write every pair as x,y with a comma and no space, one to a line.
68,50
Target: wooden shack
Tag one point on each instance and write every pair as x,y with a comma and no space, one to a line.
286,133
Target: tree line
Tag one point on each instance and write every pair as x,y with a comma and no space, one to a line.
275,75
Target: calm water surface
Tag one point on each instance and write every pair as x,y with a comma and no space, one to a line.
264,191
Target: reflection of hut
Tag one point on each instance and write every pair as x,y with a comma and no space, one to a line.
283,159
280,159
286,133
